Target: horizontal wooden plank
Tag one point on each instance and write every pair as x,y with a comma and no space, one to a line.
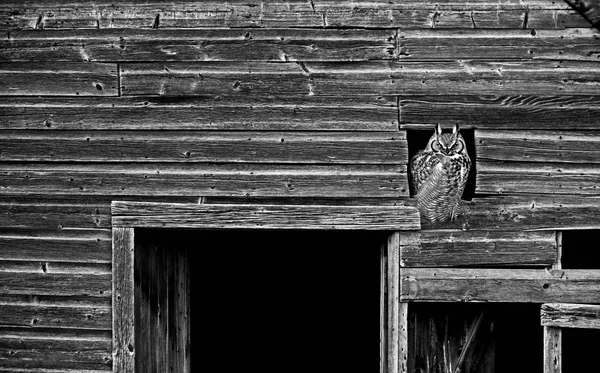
64,79
278,113
444,44
54,267
456,248
540,178
54,216
538,146
567,315
278,45
590,10
56,316
157,215
526,212
361,78
48,283
325,201
44,361
290,13
499,285
218,147
501,112
201,180
43,249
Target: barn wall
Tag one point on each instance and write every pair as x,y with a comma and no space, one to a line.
286,101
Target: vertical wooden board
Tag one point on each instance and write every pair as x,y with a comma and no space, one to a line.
64,79
123,300
383,309
394,309
552,350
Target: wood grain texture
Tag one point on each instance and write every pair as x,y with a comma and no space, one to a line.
552,350
526,212
291,13
444,44
277,45
204,180
589,9
540,178
218,147
566,315
64,79
499,285
456,248
54,216
123,306
501,112
279,113
534,146
396,314
160,215
361,78
55,248
45,282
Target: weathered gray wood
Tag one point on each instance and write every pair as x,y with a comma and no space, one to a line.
219,147
396,340
203,180
536,146
338,201
499,285
552,350
565,315
555,19
89,249
589,9
541,178
456,248
501,112
45,282
64,79
291,13
361,78
206,113
58,315
164,215
278,45
123,308
54,216
383,310
526,212
444,44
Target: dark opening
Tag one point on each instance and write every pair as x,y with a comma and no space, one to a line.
417,140
579,349
580,249
264,300
438,335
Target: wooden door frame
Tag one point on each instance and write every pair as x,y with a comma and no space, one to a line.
127,216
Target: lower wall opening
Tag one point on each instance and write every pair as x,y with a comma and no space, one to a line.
259,300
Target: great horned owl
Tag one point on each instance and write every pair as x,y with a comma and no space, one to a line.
439,174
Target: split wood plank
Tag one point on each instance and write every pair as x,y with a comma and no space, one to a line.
499,285
63,249
291,13
63,284
537,146
54,216
123,307
566,315
64,79
456,248
501,112
552,350
361,78
537,177
56,316
161,215
217,147
335,113
200,180
276,45
526,212
444,44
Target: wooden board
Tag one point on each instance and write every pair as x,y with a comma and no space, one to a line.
360,78
499,285
54,216
45,282
565,315
445,44
456,248
204,180
541,178
501,112
279,113
57,315
64,79
291,13
277,45
160,215
217,147
536,146
89,248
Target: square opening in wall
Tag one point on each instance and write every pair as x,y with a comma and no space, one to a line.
259,300
579,348
580,249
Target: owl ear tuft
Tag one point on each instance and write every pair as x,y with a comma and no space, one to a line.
455,129
438,129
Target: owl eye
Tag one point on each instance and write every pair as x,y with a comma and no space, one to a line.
436,146
458,147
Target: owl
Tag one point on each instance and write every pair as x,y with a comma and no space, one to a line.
439,174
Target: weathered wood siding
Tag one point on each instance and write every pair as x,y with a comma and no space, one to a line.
293,102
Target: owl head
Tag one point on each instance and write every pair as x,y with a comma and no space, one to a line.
447,144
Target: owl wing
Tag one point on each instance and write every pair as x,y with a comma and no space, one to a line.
422,166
